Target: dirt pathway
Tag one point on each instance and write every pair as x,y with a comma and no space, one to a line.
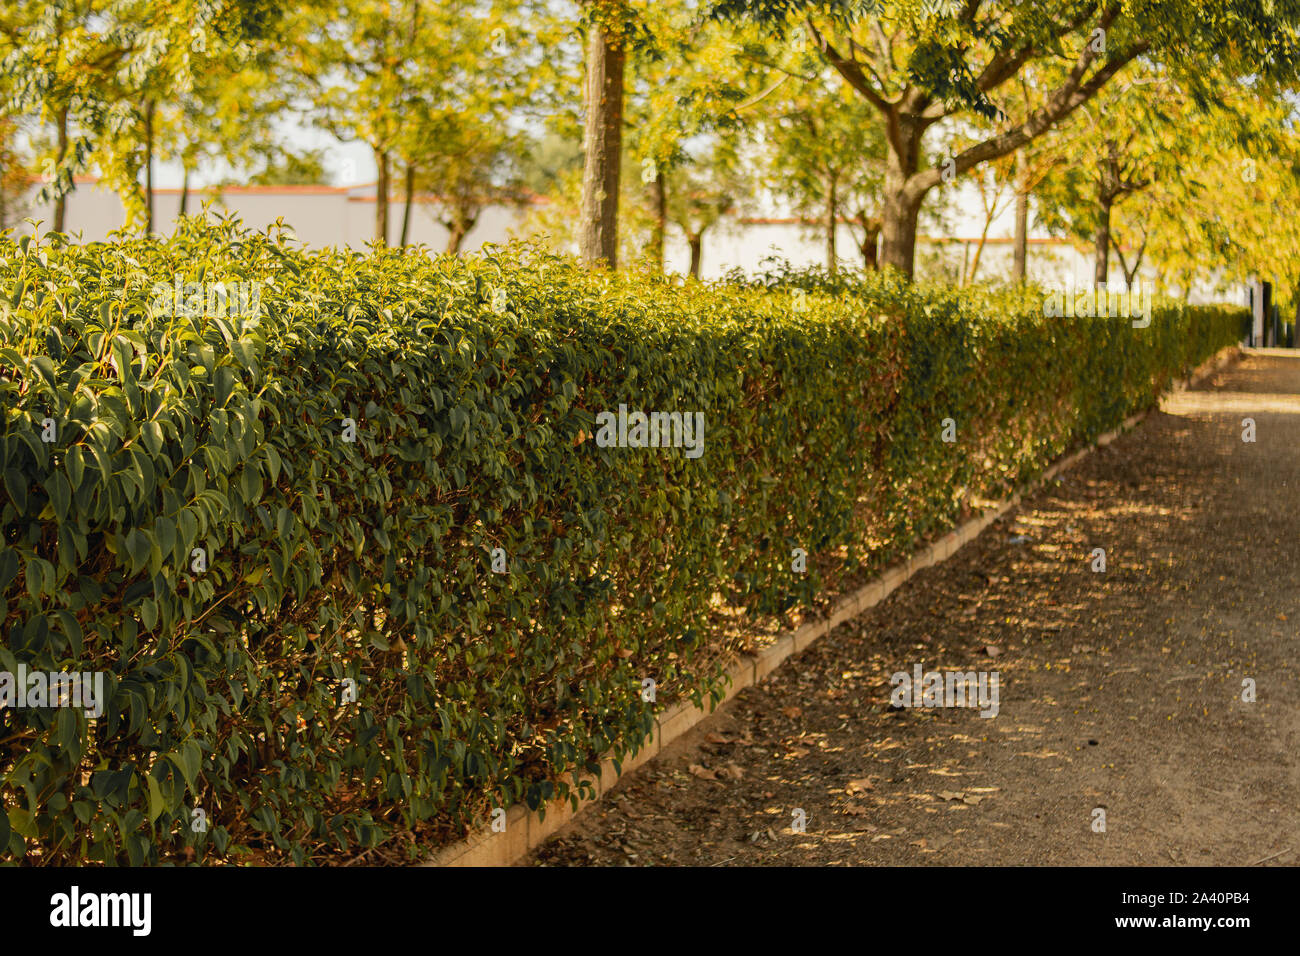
1119,691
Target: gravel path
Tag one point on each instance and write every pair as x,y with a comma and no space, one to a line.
1119,691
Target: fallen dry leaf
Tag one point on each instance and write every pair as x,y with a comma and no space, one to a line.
792,712
704,773
992,650
717,738
860,785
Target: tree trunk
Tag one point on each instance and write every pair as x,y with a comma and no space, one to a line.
898,221
458,227
61,199
898,233
870,260
660,221
696,241
979,251
456,233
1131,273
1020,253
1102,242
185,193
381,196
602,146
832,204
149,108
1109,188
901,206
410,199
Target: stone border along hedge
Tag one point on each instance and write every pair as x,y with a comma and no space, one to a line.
357,547
526,831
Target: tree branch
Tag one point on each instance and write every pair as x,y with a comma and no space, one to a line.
851,70
1068,97
885,46
968,14
755,100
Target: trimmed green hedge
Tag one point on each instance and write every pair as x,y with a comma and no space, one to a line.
474,385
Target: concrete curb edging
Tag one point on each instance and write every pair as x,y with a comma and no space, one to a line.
525,830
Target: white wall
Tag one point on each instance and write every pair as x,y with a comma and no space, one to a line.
324,216
320,216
